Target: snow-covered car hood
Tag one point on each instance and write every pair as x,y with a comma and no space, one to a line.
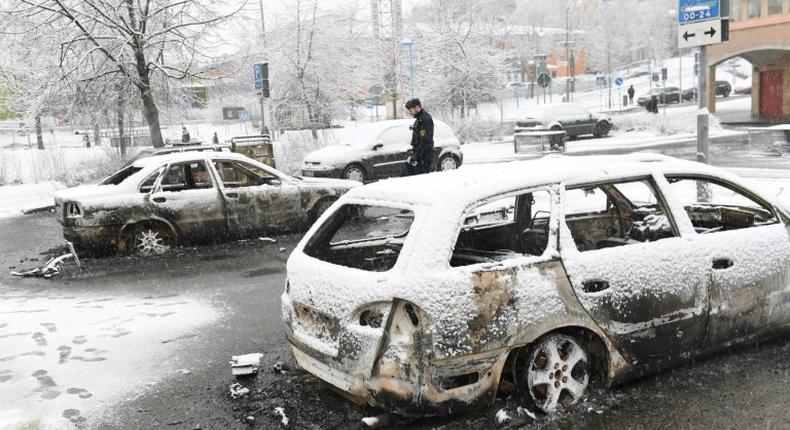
336,154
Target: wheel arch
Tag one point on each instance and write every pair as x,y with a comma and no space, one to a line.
362,164
593,342
128,228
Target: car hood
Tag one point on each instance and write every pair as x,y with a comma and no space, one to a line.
336,154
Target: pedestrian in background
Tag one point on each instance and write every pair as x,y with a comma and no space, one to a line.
631,93
215,139
421,138
184,135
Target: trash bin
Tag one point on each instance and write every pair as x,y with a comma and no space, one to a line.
539,142
625,100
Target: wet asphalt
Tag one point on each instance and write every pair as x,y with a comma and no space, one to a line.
744,389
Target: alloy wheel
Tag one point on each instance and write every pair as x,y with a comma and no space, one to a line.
557,372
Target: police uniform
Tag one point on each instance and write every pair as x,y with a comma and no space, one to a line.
422,143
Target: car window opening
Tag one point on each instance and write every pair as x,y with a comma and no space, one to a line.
714,207
121,175
186,176
238,175
510,227
362,237
616,214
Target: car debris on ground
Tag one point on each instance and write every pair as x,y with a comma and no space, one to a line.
246,364
237,391
280,367
52,267
279,412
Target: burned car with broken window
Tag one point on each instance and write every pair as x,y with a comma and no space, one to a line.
191,197
425,295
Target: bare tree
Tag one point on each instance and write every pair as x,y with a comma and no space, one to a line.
133,40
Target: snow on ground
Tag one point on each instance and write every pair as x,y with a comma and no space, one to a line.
63,358
18,198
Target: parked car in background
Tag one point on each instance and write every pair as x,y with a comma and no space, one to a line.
723,88
425,295
379,150
190,197
575,120
665,95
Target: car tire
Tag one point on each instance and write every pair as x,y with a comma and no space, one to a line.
355,172
320,207
602,128
726,94
150,240
557,372
447,162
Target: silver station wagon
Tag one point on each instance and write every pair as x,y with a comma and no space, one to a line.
423,295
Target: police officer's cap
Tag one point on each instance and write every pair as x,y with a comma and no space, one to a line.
412,103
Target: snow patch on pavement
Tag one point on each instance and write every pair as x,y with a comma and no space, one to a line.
19,198
65,358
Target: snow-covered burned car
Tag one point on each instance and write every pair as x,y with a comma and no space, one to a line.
191,197
423,294
379,150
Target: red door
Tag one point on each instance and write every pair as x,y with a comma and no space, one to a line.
771,93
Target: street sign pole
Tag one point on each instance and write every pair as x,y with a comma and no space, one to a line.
703,143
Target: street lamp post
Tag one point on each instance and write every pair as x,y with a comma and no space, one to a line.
409,44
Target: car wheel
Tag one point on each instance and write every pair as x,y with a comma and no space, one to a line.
354,172
602,129
726,94
557,372
150,240
448,162
321,207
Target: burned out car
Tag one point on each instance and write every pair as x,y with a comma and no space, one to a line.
191,197
423,295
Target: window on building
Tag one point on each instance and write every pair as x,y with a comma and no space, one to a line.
753,8
775,7
735,10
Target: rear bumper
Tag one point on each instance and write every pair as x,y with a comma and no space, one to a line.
410,399
92,237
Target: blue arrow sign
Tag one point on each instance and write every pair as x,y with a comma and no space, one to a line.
698,10
619,81
257,74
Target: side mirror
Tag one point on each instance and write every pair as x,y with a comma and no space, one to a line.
377,146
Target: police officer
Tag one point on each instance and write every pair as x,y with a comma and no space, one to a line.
421,138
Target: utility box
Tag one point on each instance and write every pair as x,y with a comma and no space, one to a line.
258,147
539,142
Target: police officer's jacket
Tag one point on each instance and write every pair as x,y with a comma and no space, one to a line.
422,134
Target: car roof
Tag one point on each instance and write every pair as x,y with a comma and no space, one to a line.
187,156
473,183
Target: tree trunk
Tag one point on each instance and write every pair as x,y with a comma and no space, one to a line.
96,134
121,134
151,113
39,136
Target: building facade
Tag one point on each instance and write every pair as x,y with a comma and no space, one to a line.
759,33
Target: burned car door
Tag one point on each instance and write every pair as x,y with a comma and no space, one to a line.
506,251
645,286
188,197
390,158
257,200
748,257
